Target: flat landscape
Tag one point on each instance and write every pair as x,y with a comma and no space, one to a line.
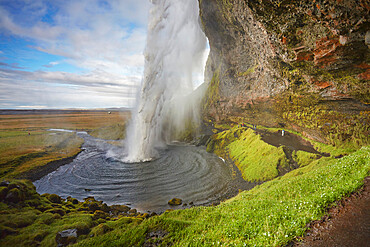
26,143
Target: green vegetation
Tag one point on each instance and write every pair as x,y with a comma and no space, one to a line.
212,94
339,129
257,160
271,214
28,219
303,158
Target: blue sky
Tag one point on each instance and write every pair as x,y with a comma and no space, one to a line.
71,54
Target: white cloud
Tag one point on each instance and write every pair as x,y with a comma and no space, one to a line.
105,39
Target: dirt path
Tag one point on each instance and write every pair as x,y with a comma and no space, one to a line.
347,224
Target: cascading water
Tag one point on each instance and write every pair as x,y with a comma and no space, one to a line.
174,52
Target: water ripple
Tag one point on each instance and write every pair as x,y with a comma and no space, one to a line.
186,172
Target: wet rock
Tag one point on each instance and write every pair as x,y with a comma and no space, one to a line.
89,199
175,202
66,237
119,209
132,212
203,139
74,201
105,208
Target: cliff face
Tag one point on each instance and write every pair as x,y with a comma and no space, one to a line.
300,64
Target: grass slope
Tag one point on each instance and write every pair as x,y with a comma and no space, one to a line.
271,214
257,160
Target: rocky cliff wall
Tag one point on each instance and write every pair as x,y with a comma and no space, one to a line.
300,64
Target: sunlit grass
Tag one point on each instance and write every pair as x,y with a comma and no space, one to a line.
257,160
271,214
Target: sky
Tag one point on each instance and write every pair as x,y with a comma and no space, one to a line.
71,53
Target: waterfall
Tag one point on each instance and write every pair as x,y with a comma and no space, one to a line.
174,52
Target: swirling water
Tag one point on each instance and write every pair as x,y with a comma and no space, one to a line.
182,171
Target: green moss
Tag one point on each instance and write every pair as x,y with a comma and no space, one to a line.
338,128
212,94
303,158
54,198
257,160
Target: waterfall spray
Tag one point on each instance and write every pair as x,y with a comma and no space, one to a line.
174,50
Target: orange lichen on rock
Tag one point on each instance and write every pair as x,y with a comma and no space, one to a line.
305,56
365,75
323,84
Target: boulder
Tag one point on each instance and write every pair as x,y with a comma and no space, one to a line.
94,206
175,202
66,237
119,209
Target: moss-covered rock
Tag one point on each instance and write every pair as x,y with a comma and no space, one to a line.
175,202
98,214
14,196
54,198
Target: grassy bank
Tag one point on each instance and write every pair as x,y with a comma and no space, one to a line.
256,159
271,214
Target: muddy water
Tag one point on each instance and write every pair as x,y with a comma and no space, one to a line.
186,172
